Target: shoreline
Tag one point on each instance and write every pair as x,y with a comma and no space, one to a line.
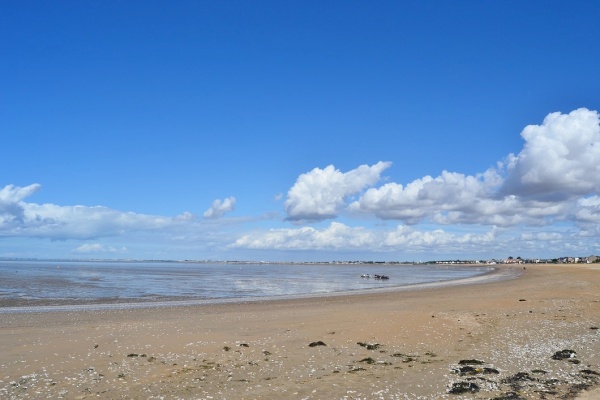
395,345
12,307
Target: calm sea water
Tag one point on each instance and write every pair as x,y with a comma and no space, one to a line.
77,282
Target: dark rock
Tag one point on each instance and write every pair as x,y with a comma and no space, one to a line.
226,348
589,372
314,344
515,381
518,377
463,387
244,345
539,371
356,369
470,362
522,300
551,382
132,355
468,370
594,328
489,371
368,360
564,354
369,346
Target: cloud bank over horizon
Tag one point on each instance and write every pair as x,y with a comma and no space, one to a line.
546,196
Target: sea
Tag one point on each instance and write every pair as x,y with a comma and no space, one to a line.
40,285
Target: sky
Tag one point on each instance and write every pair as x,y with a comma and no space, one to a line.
299,130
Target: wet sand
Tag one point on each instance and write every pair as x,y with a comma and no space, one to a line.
493,340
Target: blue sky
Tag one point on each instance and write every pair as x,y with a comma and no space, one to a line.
268,130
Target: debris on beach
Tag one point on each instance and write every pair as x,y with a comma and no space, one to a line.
369,346
564,355
368,360
471,362
315,344
463,387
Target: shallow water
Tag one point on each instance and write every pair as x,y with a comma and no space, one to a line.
30,283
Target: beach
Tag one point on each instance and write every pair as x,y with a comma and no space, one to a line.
533,335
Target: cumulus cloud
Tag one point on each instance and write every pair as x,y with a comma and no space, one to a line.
220,207
321,193
12,212
20,218
338,236
560,158
449,192
545,182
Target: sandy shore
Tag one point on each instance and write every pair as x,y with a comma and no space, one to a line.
495,340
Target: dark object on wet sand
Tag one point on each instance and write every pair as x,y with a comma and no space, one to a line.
564,354
517,380
463,387
382,277
519,377
315,344
368,360
589,372
468,370
369,346
470,362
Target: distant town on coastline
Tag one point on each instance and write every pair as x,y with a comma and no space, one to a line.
510,260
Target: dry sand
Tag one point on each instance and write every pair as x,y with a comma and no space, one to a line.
412,344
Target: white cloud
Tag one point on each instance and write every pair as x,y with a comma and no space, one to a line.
559,163
98,248
321,193
19,218
220,207
424,197
12,212
338,236
560,158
